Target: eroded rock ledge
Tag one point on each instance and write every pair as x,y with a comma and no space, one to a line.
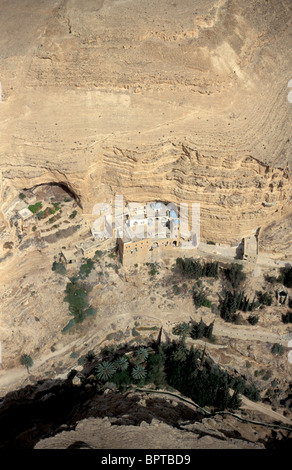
184,101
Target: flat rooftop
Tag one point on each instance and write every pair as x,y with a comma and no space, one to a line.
25,213
250,245
130,236
87,244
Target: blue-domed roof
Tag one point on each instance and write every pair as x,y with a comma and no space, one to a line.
156,205
173,214
176,221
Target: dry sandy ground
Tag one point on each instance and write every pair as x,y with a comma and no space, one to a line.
182,101
124,300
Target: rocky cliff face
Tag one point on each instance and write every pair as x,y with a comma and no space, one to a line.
59,415
182,101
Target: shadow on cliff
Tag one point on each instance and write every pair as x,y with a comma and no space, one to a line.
38,411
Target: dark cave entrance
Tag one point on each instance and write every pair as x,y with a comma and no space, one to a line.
62,186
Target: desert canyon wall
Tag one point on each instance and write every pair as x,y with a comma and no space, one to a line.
178,101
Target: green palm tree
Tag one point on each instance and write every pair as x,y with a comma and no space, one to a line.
138,372
141,354
182,329
90,356
26,361
105,370
122,363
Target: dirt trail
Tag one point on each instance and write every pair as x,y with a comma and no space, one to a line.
265,409
246,334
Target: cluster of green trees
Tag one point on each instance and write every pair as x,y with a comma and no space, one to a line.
40,215
153,268
194,330
201,329
76,294
287,318
286,277
200,298
277,349
234,274
234,301
139,368
237,300
98,254
34,208
176,289
189,371
86,268
182,329
264,298
271,279
194,269
56,207
199,378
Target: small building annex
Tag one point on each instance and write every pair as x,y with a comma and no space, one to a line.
68,256
250,249
25,214
143,236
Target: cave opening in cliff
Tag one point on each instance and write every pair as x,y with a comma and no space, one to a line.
57,189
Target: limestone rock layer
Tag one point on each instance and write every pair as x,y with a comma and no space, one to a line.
179,101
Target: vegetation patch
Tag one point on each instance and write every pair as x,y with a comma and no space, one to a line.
26,361
194,330
40,215
200,298
277,349
73,215
264,298
234,301
189,371
135,332
286,277
59,268
34,208
56,206
176,289
253,319
147,328
8,245
287,318
194,269
77,297
86,268
234,274
271,279
69,325
153,268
